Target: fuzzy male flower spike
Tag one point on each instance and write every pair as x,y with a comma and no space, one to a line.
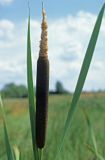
44,40
42,86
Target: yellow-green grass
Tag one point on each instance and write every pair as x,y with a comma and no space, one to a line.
74,146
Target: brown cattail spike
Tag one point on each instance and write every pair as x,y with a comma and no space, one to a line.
42,86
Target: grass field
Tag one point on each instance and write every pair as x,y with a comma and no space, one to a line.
77,138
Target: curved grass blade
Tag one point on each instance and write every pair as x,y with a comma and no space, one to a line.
16,153
90,148
6,137
31,93
100,157
92,135
9,150
82,77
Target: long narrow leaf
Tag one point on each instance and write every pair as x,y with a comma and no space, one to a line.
9,150
6,137
16,153
82,76
31,92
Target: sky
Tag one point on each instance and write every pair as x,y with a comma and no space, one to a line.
70,24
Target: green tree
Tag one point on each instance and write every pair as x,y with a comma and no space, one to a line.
14,91
59,88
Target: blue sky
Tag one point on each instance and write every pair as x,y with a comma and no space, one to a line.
70,24
17,10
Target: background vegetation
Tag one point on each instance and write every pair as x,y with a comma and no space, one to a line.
75,143
12,90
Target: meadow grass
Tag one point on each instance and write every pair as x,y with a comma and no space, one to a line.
75,143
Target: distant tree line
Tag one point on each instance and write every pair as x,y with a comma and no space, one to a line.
11,90
14,91
59,88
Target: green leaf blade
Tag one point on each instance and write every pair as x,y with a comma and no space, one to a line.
16,153
31,92
9,150
82,76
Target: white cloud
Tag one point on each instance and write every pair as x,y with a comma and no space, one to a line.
68,40
5,2
6,33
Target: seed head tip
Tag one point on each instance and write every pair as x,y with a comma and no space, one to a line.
43,12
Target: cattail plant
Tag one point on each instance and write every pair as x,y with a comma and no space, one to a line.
42,86
38,120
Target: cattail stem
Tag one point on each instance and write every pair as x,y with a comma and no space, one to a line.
42,87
